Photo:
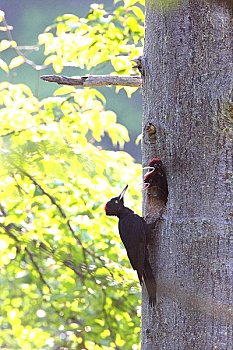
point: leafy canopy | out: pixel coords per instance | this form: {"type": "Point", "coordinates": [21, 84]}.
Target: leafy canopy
{"type": "Point", "coordinates": [65, 279]}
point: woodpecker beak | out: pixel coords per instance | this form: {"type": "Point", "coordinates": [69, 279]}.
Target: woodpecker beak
{"type": "Point", "coordinates": [123, 192]}
{"type": "Point", "coordinates": [146, 185]}
{"type": "Point", "coordinates": [151, 169]}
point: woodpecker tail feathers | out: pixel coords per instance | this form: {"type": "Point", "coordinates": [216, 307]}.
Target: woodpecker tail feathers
{"type": "Point", "coordinates": [150, 283]}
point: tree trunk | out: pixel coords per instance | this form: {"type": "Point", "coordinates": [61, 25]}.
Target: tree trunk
{"type": "Point", "coordinates": [187, 93]}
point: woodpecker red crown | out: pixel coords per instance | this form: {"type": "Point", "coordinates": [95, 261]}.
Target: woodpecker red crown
{"type": "Point", "coordinates": [155, 164]}
{"type": "Point", "coordinates": [154, 160]}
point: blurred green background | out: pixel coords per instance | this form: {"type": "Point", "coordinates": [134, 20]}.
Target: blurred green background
{"type": "Point", "coordinates": [29, 19]}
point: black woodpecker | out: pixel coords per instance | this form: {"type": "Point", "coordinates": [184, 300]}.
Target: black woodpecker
{"type": "Point", "coordinates": [135, 235]}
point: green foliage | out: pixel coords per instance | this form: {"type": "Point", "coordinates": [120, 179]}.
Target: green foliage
{"type": "Point", "coordinates": [62, 280]}
{"type": "Point", "coordinates": [101, 37]}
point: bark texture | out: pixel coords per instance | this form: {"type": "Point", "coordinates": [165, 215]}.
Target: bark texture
{"type": "Point", "coordinates": [187, 92]}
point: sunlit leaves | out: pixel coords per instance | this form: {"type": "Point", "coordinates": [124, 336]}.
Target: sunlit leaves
{"type": "Point", "coordinates": [111, 39]}
{"type": "Point", "coordinates": [65, 279]}
{"type": "Point", "coordinates": [2, 15]}
{"type": "Point", "coordinates": [6, 44]}
{"type": "Point", "coordinates": [16, 62]}
{"type": "Point", "coordinates": [3, 65]}
{"type": "Point", "coordinates": [61, 256]}
{"type": "Point", "coordinates": [102, 36]}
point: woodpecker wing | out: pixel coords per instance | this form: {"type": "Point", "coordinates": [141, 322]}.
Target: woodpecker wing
{"type": "Point", "coordinates": [133, 236]}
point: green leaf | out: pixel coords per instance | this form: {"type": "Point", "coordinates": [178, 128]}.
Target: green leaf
{"type": "Point", "coordinates": [64, 90]}
{"type": "Point", "coordinates": [16, 62]}
{"type": "Point", "coordinates": [2, 15]}
{"type": "Point", "coordinates": [138, 12]}
{"type": "Point", "coordinates": [3, 65]}
{"type": "Point", "coordinates": [4, 45]}
{"type": "Point", "coordinates": [138, 139]}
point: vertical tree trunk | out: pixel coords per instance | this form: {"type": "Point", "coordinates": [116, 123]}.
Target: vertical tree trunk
{"type": "Point", "coordinates": [187, 97]}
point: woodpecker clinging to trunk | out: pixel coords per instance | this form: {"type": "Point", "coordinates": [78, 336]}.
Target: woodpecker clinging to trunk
{"type": "Point", "coordinates": [156, 177]}
{"type": "Point", "coordinates": [135, 235]}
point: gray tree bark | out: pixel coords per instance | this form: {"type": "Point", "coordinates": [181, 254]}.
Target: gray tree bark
{"type": "Point", "coordinates": [187, 92]}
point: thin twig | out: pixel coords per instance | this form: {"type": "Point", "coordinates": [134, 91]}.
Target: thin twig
{"type": "Point", "coordinates": [70, 265]}
{"type": "Point", "coordinates": [17, 48]}
{"type": "Point", "coordinates": [31, 256]}
{"type": "Point", "coordinates": [95, 80]}
{"type": "Point", "coordinates": [67, 262]}
{"type": "Point", "coordinates": [53, 201]}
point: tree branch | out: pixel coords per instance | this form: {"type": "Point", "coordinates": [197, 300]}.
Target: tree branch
{"type": "Point", "coordinates": [95, 80]}
{"type": "Point", "coordinates": [54, 202]}
{"type": "Point", "coordinates": [42, 247]}
{"type": "Point", "coordinates": [31, 256]}
{"type": "Point", "coordinates": [61, 211]}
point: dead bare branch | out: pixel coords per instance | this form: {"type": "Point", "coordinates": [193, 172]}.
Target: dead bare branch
{"type": "Point", "coordinates": [95, 80]}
